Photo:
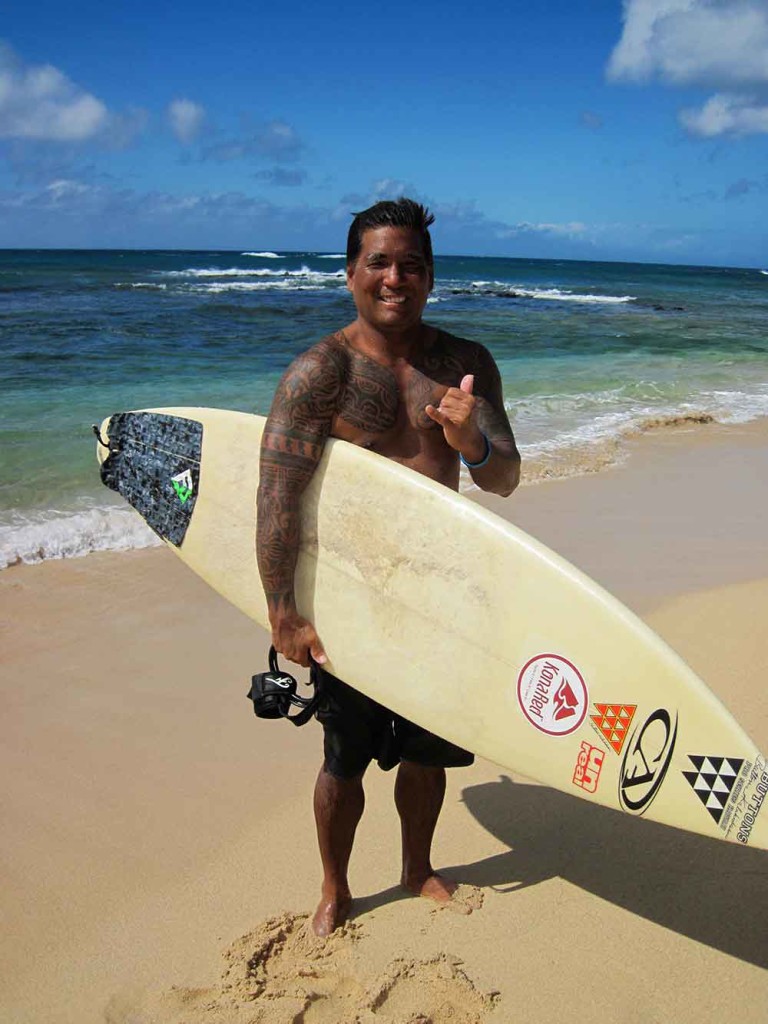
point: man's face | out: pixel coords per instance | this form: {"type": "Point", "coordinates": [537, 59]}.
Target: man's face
{"type": "Point", "coordinates": [391, 279]}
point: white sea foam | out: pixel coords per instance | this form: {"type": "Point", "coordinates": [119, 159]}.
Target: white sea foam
{"type": "Point", "coordinates": [304, 272]}
{"type": "Point", "coordinates": [29, 537]}
{"type": "Point", "coordinates": [556, 426]}
{"type": "Point", "coordinates": [264, 255]}
{"type": "Point", "coordinates": [149, 286]}
{"type": "Point", "coordinates": [332, 256]}
{"type": "Point", "coordinates": [237, 280]}
{"type": "Point", "coordinates": [547, 294]}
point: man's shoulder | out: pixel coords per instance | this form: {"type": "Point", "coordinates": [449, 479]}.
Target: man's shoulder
{"type": "Point", "coordinates": [463, 348]}
{"type": "Point", "coordinates": [331, 346]}
{"type": "Point", "coordinates": [330, 353]}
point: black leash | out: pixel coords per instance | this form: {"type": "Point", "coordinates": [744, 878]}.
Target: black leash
{"type": "Point", "coordinates": [274, 693]}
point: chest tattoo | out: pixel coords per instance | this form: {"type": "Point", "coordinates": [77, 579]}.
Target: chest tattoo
{"type": "Point", "coordinates": [369, 399]}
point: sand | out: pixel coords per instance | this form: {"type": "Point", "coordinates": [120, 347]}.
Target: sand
{"type": "Point", "coordinates": [158, 848]}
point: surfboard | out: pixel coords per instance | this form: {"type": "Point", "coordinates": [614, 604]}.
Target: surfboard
{"type": "Point", "coordinates": [455, 619]}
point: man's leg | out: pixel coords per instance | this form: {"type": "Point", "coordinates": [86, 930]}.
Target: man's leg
{"type": "Point", "coordinates": [339, 806]}
{"type": "Point", "coordinates": [419, 793]}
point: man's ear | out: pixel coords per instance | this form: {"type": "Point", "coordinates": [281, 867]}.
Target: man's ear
{"type": "Point", "coordinates": [350, 275]}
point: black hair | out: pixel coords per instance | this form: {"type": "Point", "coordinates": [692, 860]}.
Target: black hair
{"type": "Point", "coordinates": [391, 213]}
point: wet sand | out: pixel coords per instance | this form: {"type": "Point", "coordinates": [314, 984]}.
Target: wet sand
{"type": "Point", "coordinates": [156, 835]}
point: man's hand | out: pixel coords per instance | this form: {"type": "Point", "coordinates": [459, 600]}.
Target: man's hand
{"type": "Point", "coordinates": [296, 639]}
{"type": "Point", "coordinates": [456, 415]}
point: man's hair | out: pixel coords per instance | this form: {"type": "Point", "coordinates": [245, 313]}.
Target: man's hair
{"type": "Point", "coordinates": [391, 213]}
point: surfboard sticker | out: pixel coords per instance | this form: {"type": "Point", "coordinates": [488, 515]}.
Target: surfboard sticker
{"type": "Point", "coordinates": [732, 789]}
{"type": "Point", "coordinates": [589, 764]}
{"type": "Point", "coordinates": [613, 721]}
{"type": "Point", "coordinates": [552, 694]}
{"type": "Point", "coordinates": [752, 801]}
{"type": "Point", "coordinates": [646, 761]}
{"type": "Point", "coordinates": [155, 465]}
{"type": "Point", "coordinates": [713, 781]}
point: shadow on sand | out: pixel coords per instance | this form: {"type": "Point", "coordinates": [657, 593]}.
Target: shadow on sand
{"type": "Point", "coordinates": [710, 891]}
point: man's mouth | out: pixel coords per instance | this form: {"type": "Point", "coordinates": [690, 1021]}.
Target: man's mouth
{"type": "Point", "coordinates": [393, 300]}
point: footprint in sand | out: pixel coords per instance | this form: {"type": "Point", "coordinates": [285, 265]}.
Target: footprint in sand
{"type": "Point", "coordinates": [466, 899]}
{"type": "Point", "coordinates": [281, 973]}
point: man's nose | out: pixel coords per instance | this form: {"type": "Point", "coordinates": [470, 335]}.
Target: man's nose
{"type": "Point", "coordinates": [393, 275]}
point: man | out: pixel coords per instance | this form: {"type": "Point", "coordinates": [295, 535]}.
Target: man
{"type": "Point", "coordinates": [391, 383]}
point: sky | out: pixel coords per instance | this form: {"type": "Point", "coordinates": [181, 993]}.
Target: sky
{"type": "Point", "coordinates": [561, 129]}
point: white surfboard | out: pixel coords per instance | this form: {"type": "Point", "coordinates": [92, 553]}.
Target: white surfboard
{"type": "Point", "coordinates": [455, 619]}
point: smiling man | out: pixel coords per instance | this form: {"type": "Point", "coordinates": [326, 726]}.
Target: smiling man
{"type": "Point", "coordinates": [428, 400]}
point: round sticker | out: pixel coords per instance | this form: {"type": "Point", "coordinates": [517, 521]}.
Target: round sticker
{"type": "Point", "coordinates": [552, 694]}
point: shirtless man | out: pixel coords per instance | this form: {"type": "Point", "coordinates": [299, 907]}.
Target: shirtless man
{"type": "Point", "coordinates": [391, 383]}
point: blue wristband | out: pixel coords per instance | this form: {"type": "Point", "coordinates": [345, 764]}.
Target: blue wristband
{"type": "Point", "coordinates": [482, 462]}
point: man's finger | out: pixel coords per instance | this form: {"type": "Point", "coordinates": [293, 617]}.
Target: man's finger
{"type": "Point", "coordinates": [435, 414]}
{"type": "Point", "coordinates": [318, 654]}
{"type": "Point", "coordinates": [467, 384]}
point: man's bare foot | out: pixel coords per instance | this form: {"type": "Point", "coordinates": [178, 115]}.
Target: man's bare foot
{"type": "Point", "coordinates": [433, 887]}
{"type": "Point", "coordinates": [331, 913]}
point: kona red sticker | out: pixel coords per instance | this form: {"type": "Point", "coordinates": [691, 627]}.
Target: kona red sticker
{"type": "Point", "coordinates": [552, 694]}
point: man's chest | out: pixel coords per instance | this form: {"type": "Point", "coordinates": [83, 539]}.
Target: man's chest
{"type": "Point", "coordinates": [378, 400]}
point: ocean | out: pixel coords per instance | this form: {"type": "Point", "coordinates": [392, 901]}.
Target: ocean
{"type": "Point", "coordinates": [590, 355]}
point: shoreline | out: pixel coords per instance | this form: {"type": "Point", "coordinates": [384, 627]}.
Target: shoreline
{"type": "Point", "coordinates": [55, 534]}
{"type": "Point", "coordinates": [151, 820]}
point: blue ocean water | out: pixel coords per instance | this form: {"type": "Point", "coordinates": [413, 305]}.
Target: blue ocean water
{"type": "Point", "coordinates": [590, 353]}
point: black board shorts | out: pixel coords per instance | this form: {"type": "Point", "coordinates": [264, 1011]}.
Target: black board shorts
{"type": "Point", "coordinates": [358, 730]}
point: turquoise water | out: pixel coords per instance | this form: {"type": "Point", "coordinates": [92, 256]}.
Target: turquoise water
{"type": "Point", "coordinates": [590, 353]}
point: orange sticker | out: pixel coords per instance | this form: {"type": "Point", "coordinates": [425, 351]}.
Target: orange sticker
{"type": "Point", "coordinates": [613, 721]}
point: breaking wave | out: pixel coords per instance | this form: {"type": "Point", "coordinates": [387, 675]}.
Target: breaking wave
{"type": "Point", "coordinates": [29, 537]}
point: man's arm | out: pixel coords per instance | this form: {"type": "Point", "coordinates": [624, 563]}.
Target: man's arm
{"type": "Point", "coordinates": [294, 437]}
{"type": "Point", "coordinates": [476, 425]}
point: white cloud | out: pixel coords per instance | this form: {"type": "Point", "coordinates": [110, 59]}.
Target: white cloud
{"type": "Point", "coordinates": [693, 42]}
{"type": "Point", "coordinates": [275, 140]}
{"type": "Point", "coordinates": [186, 119]}
{"type": "Point", "coordinates": [572, 229]}
{"type": "Point", "coordinates": [38, 102]}
{"type": "Point", "coordinates": [707, 43]}
{"type": "Point", "coordinates": [725, 114]}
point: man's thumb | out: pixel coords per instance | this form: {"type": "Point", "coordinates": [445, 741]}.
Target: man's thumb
{"type": "Point", "coordinates": [467, 383]}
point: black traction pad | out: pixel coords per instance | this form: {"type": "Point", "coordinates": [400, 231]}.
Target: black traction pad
{"type": "Point", "coordinates": [154, 462]}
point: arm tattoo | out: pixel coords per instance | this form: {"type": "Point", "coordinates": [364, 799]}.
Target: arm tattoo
{"type": "Point", "coordinates": [294, 438]}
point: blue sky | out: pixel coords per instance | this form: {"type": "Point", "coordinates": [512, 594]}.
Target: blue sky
{"type": "Point", "coordinates": [585, 129]}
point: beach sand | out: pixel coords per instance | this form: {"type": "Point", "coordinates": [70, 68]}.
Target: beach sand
{"type": "Point", "coordinates": [158, 846]}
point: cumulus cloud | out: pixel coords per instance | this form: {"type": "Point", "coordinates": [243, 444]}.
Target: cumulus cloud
{"type": "Point", "coordinates": [39, 102]}
{"type": "Point", "coordinates": [382, 188]}
{"type": "Point", "coordinates": [70, 211]}
{"type": "Point", "coordinates": [569, 229]}
{"type": "Point", "coordinates": [727, 114]}
{"type": "Point", "coordinates": [186, 119]}
{"type": "Point", "coordinates": [274, 140]}
{"type": "Point", "coordinates": [720, 44]}
{"type": "Point", "coordinates": [693, 41]}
